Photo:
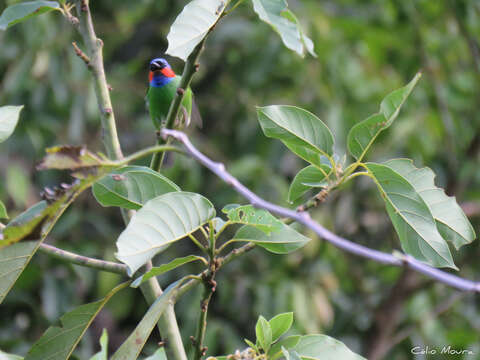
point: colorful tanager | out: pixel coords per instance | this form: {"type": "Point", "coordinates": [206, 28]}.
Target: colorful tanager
{"type": "Point", "coordinates": [161, 92]}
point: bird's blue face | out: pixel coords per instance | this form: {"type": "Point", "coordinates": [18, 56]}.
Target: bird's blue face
{"type": "Point", "coordinates": [160, 72]}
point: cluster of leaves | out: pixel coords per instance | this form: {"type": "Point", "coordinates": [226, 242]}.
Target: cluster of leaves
{"type": "Point", "coordinates": [272, 344]}
{"type": "Point", "coordinates": [424, 217]}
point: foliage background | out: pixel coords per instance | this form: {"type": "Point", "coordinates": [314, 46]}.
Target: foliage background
{"type": "Point", "coordinates": [365, 50]}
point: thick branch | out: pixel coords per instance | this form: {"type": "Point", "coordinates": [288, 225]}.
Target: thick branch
{"type": "Point", "coordinates": [83, 260]}
{"type": "Point", "coordinates": [94, 47]}
{"type": "Point", "coordinates": [304, 219]}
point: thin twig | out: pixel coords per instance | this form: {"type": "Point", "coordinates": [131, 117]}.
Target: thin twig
{"type": "Point", "coordinates": [73, 258]}
{"type": "Point", "coordinates": [305, 219]}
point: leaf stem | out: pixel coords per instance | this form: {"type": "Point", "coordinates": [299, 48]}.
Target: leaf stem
{"type": "Point", "coordinates": [73, 258]}
{"type": "Point", "coordinates": [196, 242]}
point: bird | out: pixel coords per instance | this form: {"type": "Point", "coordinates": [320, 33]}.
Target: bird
{"type": "Point", "coordinates": [163, 85]}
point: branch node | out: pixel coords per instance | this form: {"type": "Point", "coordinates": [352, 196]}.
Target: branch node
{"type": "Point", "coordinates": [197, 66]}
{"type": "Point", "coordinates": [107, 110]}
{"type": "Point", "coordinates": [110, 87]}
{"type": "Point", "coordinates": [180, 91]}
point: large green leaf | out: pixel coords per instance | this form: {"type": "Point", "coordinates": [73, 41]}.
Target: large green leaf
{"type": "Point", "coordinates": [58, 342]}
{"type": "Point", "coordinates": [323, 347]}
{"type": "Point", "coordinates": [411, 217]}
{"type": "Point", "coordinates": [307, 178]}
{"type": "Point", "coordinates": [8, 119]}
{"type": "Point", "coordinates": [284, 22]}
{"type": "Point", "coordinates": [363, 134]}
{"type": "Point", "coordinates": [131, 186]}
{"type": "Point", "coordinates": [192, 25]}
{"type": "Point", "coordinates": [300, 130]}
{"type": "Point", "coordinates": [132, 347]}
{"type": "Point", "coordinates": [13, 260]}
{"type": "Point", "coordinates": [280, 241]}
{"type": "Point", "coordinates": [158, 223]}
{"type": "Point", "coordinates": [259, 218]}
{"type": "Point", "coordinates": [452, 223]}
{"type": "Point", "coordinates": [19, 12]}
{"type": "Point", "coordinates": [159, 270]}
{"type": "Point", "coordinates": [3, 211]}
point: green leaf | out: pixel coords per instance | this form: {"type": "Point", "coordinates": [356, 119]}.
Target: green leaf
{"type": "Point", "coordinates": [103, 353]}
{"type": "Point", "coordinates": [192, 25]}
{"type": "Point", "coordinates": [3, 211]}
{"type": "Point", "coordinates": [323, 347]}
{"type": "Point", "coordinates": [160, 222]}
{"type": "Point", "coordinates": [263, 333]}
{"type": "Point", "coordinates": [5, 356]}
{"type": "Point", "coordinates": [132, 347]}
{"type": "Point", "coordinates": [8, 119]}
{"type": "Point", "coordinates": [13, 260]}
{"type": "Point", "coordinates": [159, 270]}
{"type": "Point", "coordinates": [259, 218]}
{"type": "Point", "coordinates": [158, 355]}
{"type": "Point", "coordinates": [284, 22]}
{"type": "Point", "coordinates": [363, 134]}
{"type": "Point", "coordinates": [451, 221]}
{"type": "Point", "coordinates": [411, 218]}
{"type": "Point", "coordinates": [281, 241]}
{"type": "Point", "coordinates": [307, 178]}
{"type": "Point", "coordinates": [27, 225]}
{"type": "Point", "coordinates": [280, 324]}
{"type": "Point", "coordinates": [58, 342]}
{"type": "Point", "coordinates": [19, 12]}
{"type": "Point", "coordinates": [131, 187]}
{"type": "Point", "coordinates": [301, 131]}
{"type": "Point", "coordinates": [287, 343]}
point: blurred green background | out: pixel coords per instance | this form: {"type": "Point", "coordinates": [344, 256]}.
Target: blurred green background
{"type": "Point", "coordinates": [365, 50]}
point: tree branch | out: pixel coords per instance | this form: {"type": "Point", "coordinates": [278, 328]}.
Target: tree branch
{"type": "Point", "coordinates": [73, 258]}
{"type": "Point", "coordinates": [304, 219]}
{"type": "Point", "coordinates": [94, 47]}
{"type": "Point", "coordinates": [151, 290]}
